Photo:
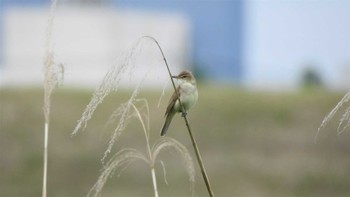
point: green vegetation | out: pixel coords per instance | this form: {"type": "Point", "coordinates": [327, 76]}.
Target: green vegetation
{"type": "Point", "coordinates": [252, 144]}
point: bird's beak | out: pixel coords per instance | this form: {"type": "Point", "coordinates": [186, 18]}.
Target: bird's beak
{"type": "Point", "coordinates": [175, 77]}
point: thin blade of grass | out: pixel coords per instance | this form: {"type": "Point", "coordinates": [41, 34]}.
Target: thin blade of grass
{"type": "Point", "coordinates": [170, 143]}
{"type": "Point", "coordinates": [344, 121]}
{"type": "Point", "coordinates": [164, 171]}
{"type": "Point", "coordinates": [340, 104]}
{"type": "Point", "coordinates": [122, 123]}
{"type": "Point", "coordinates": [331, 114]}
{"type": "Point", "coordinates": [122, 158]}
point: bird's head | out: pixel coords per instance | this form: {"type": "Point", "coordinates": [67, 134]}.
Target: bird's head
{"type": "Point", "coordinates": [185, 76]}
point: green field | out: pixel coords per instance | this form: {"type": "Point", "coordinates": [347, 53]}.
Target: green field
{"type": "Point", "coordinates": [252, 144]}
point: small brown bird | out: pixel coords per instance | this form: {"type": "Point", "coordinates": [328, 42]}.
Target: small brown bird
{"type": "Point", "coordinates": [187, 90]}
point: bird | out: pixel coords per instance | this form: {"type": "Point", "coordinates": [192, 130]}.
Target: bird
{"type": "Point", "coordinates": [187, 90]}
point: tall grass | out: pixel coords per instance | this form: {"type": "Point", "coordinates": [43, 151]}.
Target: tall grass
{"type": "Point", "coordinates": [111, 82]}
{"type": "Point", "coordinates": [53, 76]}
{"type": "Point", "coordinates": [184, 115]}
{"type": "Point", "coordinates": [125, 156]}
{"type": "Point", "coordinates": [344, 121]}
{"type": "Point", "coordinates": [124, 113]}
{"type": "Point", "coordinates": [54, 72]}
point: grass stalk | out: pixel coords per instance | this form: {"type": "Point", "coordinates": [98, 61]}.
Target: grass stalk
{"type": "Point", "coordinates": [344, 122]}
{"type": "Point", "coordinates": [151, 159]}
{"type": "Point", "coordinates": [194, 143]}
{"type": "Point", "coordinates": [124, 112]}
{"type": "Point", "coordinates": [44, 192]}
{"type": "Point", "coordinates": [124, 157]}
{"type": "Point", "coordinates": [53, 75]}
{"type": "Point", "coordinates": [154, 181]}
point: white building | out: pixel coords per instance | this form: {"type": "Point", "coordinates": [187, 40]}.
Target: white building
{"type": "Point", "coordinates": [280, 39]}
{"type": "Point", "coordinates": [88, 41]}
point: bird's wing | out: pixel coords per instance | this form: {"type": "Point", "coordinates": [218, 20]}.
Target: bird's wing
{"type": "Point", "coordinates": [172, 101]}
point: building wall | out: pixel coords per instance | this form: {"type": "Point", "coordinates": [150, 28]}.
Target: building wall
{"type": "Point", "coordinates": [264, 44]}
{"type": "Point", "coordinates": [214, 42]}
{"type": "Point", "coordinates": [1, 36]}
{"type": "Point", "coordinates": [216, 33]}
{"type": "Point", "coordinates": [88, 41]}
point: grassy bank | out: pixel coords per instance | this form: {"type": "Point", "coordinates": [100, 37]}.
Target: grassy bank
{"type": "Point", "coordinates": [253, 144]}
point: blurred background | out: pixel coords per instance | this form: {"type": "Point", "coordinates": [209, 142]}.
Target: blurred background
{"type": "Point", "coordinates": [268, 72]}
{"type": "Point", "coordinates": [267, 45]}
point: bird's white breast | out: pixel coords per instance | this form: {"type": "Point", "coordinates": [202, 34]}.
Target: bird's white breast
{"type": "Point", "coordinates": [188, 94]}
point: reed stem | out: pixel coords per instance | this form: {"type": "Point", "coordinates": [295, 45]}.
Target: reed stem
{"type": "Point", "coordinates": [45, 160]}
{"type": "Point", "coordinates": [50, 82]}
{"type": "Point", "coordinates": [154, 182]}
{"type": "Point", "coordinates": [194, 143]}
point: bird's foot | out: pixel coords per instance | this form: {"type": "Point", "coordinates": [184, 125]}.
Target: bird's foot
{"type": "Point", "coordinates": [184, 114]}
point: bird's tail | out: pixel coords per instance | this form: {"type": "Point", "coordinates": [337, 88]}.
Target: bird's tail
{"type": "Point", "coordinates": [168, 119]}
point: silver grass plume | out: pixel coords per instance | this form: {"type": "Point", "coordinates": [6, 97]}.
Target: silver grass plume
{"type": "Point", "coordinates": [344, 122]}
{"type": "Point", "coordinates": [53, 76]}
{"type": "Point", "coordinates": [124, 157]}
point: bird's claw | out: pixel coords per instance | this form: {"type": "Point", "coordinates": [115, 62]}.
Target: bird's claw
{"type": "Point", "coordinates": [184, 114]}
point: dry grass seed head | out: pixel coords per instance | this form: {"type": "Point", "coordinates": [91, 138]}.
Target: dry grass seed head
{"type": "Point", "coordinates": [121, 159]}
{"type": "Point", "coordinates": [345, 116]}
{"type": "Point", "coordinates": [165, 143]}
{"type": "Point", "coordinates": [344, 121]}
{"type": "Point", "coordinates": [124, 116]}
{"type": "Point", "coordinates": [110, 82]}
{"type": "Point", "coordinates": [53, 77]}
